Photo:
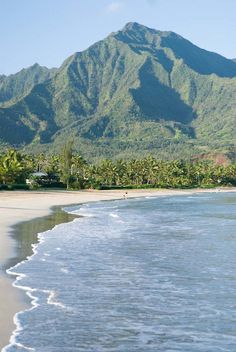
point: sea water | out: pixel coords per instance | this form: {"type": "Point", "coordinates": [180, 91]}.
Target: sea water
{"type": "Point", "coordinates": [153, 274]}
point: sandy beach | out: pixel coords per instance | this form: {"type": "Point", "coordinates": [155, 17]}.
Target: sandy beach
{"type": "Point", "coordinates": [22, 206]}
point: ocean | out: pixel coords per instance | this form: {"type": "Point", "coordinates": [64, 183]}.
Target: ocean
{"type": "Point", "coordinates": [148, 274]}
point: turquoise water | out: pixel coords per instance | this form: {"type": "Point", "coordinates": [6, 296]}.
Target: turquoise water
{"type": "Point", "coordinates": [154, 274]}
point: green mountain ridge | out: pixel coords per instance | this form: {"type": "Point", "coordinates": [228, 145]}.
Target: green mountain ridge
{"type": "Point", "coordinates": [15, 86]}
{"type": "Point", "coordinates": [137, 92]}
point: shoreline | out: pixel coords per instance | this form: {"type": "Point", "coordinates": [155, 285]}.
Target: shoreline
{"type": "Point", "coordinates": [25, 214]}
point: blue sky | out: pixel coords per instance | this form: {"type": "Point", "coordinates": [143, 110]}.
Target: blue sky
{"type": "Point", "coordinates": [48, 31]}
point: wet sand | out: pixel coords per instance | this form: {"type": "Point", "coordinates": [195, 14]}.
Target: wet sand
{"type": "Point", "coordinates": [23, 215]}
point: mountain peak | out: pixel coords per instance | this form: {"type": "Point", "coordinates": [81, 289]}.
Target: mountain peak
{"type": "Point", "coordinates": [35, 65]}
{"type": "Point", "coordinates": [133, 26]}
{"type": "Point", "coordinates": [138, 91]}
{"type": "Point", "coordinates": [137, 27]}
{"type": "Point", "coordinates": [134, 32]}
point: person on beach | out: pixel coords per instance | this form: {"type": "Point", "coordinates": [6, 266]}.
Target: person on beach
{"type": "Point", "coordinates": [125, 195]}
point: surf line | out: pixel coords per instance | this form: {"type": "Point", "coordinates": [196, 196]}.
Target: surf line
{"type": "Point", "coordinates": [30, 293]}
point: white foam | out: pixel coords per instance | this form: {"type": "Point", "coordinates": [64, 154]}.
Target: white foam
{"type": "Point", "coordinates": [29, 293]}
{"type": "Point", "coordinates": [51, 300]}
{"type": "Point", "coordinates": [18, 345]}
{"type": "Point", "coordinates": [114, 215]}
{"type": "Point", "coordinates": [34, 302]}
{"type": "Point", "coordinates": [83, 211]}
{"type": "Point", "coordinates": [85, 214]}
{"type": "Point", "coordinates": [19, 328]}
{"type": "Point", "coordinates": [65, 271]}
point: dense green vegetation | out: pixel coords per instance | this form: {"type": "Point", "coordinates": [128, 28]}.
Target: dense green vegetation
{"type": "Point", "coordinates": [17, 85]}
{"type": "Point", "coordinates": [72, 171]}
{"type": "Point", "coordinates": [136, 93]}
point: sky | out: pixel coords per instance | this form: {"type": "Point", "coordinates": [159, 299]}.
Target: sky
{"type": "Point", "coordinates": [48, 31]}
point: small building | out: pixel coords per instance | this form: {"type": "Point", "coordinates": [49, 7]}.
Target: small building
{"type": "Point", "coordinates": [42, 179]}
{"type": "Point", "coordinates": [37, 177]}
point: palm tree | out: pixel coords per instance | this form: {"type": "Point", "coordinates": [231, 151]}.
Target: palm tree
{"type": "Point", "coordinates": [66, 163]}
{"type": "Point", "coordinates": [11, 166]}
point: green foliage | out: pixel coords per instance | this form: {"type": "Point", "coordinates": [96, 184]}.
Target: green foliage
{"type": "Point", "coordinates": [12, 168]}
{"type": "Point", "coordinates": [136, 93]}
{"type": "Point", "coordinates": [76, 173]}
{"type": "Point", "coordinates": [17, 85]}
{"type": "Point", "coordinates": [66, 163]}
{"type": "Point", "coordinates": [17, 186]}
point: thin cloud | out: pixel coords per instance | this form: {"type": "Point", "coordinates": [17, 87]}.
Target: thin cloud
{"type": "Point", "coordinates": [114, 7]}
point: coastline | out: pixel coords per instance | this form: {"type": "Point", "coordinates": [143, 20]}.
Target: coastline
{"type": "Point", "coordinates": [24, 214]}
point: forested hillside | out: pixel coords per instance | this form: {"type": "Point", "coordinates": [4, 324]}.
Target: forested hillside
{"type": "Point", "coordinates": [138, 92]}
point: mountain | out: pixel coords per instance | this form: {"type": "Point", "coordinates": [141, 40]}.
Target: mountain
{"type": "Point", "coordinates": [15, 86]}
{"type": "Point", "coordinates": [139, 91]}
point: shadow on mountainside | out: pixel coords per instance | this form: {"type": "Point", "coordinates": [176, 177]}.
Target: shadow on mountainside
{"type": "Point", "coordinates": [200, 60]}
{"type": "Point", "coordinates": [158, 101]}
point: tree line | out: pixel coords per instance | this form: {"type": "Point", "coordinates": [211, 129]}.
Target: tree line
{"type": "Point", "coordinates": [71, 171]}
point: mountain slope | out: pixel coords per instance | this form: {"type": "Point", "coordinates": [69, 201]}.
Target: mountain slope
{"type": "Point", "coordinates": [17, 85]}
{"type": "Point", "coordinates": [139, 91]}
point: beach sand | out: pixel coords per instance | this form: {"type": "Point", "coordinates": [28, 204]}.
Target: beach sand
{"type": "Point", "coordinates": [21, 207]}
